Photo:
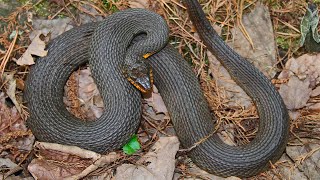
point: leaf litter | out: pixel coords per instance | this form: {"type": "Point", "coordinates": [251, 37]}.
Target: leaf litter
{"type": "Point", "coordinates": [262, 55]}
{"type": "Point", "coordinates": [158, 163]}
{"type": "Point", "coordinates": [16, 140]}
{"type": "Point", "coordinates": [304, 80]}
{"type": "Point", "coordinates": [233, 123]}
{"type": "Point", "coordinates": [37, 48]}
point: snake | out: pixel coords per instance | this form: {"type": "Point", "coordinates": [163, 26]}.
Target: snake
{"type": "Point", "coordinates": [118, 44]}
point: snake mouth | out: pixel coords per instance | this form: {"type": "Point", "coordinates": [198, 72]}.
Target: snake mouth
{"type": "Point", "coordinates": [143, 83]}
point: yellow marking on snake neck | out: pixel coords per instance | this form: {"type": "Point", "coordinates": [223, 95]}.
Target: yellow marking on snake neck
{"type": "Point", "coordinates": [147, 55]}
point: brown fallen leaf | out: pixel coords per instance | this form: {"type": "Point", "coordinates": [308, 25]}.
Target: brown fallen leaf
{"type": "Point", "coordinates": [85, 95]}
{"type": "Point", "coordinates": [15, 139]}
{"type": "Point", "coordinates": [37, 48]}
{"type": "Point", "coordinates": [316, 92]}
{"type": "Point", "coordinates": [10, 87]}
{"type": "Point", "coordinates": [305, 67]}
{"type": "Point", "coordinates": [306, 158]}
{"type": "Point", "coordinates": [233, 92]}
{"type": "Point", "coordinates": [42, 169]}
{"type": "Point", "coordinates": [287, 169]}
{"type": "Point", "coordinates": [89, 14]}
{"type": "Point", "coordinates": [296, 93]}
{"type": "Point", "coordinates": [306, 70]}
{"type": "Point", "coordinates": [139, 4]}
{"type": "Point", "coordinates": [54, 27]}
{"type": "Point", "coordinates": [160, 162]}
{"type": "Point", "coordinates": [89, 95]}
{"type": "Point", "coordinates": [156, 102]}
{"type": "Point", "coordinates": [56, 161]}
{"type": "Point", "coordinates": [259, 27]}
{"type": "Point", "coordinates": [197, 172]}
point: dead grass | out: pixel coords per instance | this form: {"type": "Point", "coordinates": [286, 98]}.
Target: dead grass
{"type": "Point", "coordinates": [226, 14]}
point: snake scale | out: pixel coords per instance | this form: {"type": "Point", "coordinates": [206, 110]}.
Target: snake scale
{"type": "Point", "coordinates": [106, 45]}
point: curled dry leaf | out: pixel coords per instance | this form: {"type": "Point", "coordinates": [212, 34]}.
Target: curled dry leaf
{"type": "Point", "coordinates": [82, 95]}
{"type": "Point", "coordinates": [37, 48]}
{"type": "Point", "coordinates": [155, 108]}
{"type": "Point", "coordinates": [10, 87]}
{"type": "Point", "coordinates": [58, 161]}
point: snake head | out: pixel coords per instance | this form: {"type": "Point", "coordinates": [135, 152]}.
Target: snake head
{"type": "Point", "coordinates": [139, 74]}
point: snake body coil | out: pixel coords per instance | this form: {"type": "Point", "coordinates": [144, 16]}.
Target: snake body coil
{"type": "Point", "coordinates": [110, 44]}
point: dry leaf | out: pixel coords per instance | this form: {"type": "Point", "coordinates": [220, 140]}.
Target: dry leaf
{"type": "Point", "coordinates": [316, 92]}
{"type": "Point", "coordinates": [89, 95]}
{"type": "Point", "coordinates": [287, 170]}
{"type": "Point", "coordinates": [55, 27]}
{"type": "Point", "coordinates": [310, 155]}
{"type": "Point", "coordinates": [139, 4]}
{"type": "Point", "coordinates": [158, 104]}
{"type": "Point", "coordinates": [259, 27]}
{"type": "Point", "coordinates": [306, 70]}
{"type": "Point", "coordinates": [305, 67]}
{"type": "Point", "coordinates": [160, 162]}
{"type": "Point", "coordinates": [156, 109]}
{"type": "Point", "coordinates": [196, 171]}
{"type": "Point", "coordinates": [5, 162]}
{"type": "Point", "coordinates": [13, 131]}
{"type": "Point", "coordinates": [42, 169]}
{"type": "Point", "coordinates": [37, 48]}
{"type": "Point", "coordinates": [233, 92]}
{"type": "Point", "coordinates": [59, 161]}
{"type": "Point", "coordinates": [227, 135]}
{"type": "Point", "coordinates": [296, 93]}
{"type": "Point", "coordinates": [89, 14]}
{"type": "Point", "coordinates": [10, 87]}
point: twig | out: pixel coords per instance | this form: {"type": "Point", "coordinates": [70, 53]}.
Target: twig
{"type": "Point", "coordinates": [240, 24]}
{"type": "Point", "coordinates": [199, 142]}
{"type": "Point", "coordinates": [8, 54]}
{"type": "Point", "coordinates": [103, 161]}
{"type": "Point", "coordinates": [69, 149]}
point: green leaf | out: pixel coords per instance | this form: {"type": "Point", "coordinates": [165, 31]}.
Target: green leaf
{"type": "Point", "coordinates": [132, 146]}
{"type": "Point", "coordinates": [13, 34]}
{"type": "Point", "coordinates": [309, 24]}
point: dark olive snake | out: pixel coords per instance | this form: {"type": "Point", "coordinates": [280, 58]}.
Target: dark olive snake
{"type": "Point", "coordinates": [107, 45]}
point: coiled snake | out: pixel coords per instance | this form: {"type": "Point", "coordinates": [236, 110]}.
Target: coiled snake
{"type": "Point", "coordinates": [107, 45]}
